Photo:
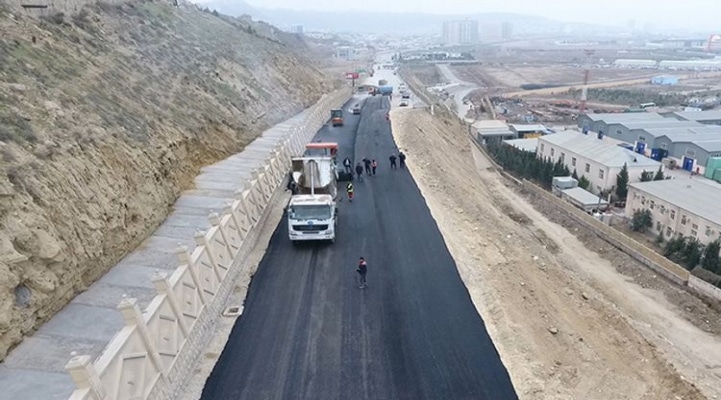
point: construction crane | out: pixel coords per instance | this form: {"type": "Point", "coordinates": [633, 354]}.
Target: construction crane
{"type": "Point", "coordinates": [584, 91]}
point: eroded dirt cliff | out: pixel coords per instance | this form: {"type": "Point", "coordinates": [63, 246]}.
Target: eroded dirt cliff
{"type": "Point", "coordinates": [105, 116]}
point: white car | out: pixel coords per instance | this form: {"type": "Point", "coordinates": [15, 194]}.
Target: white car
{"type": "Point", "coordinates": [403, 103]}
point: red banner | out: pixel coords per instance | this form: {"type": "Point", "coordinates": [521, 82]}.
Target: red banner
{"type": "Point", "coordinates": [351, 75]}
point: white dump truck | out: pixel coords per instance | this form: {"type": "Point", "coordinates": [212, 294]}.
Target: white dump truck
{"type": "Point", "coordinates": [312, 211]}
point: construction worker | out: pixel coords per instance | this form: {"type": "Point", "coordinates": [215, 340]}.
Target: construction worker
{"type": "Point", "coordinates": [349, 190]}
{"type": "Point", "coordinates": [402, 159]}
{"type": "Point", "coordinates": [359, 171]}
{"type": "Point", "coordinates": [362, 271]}
{"type": "Point", "coordinates": [393, 161]}
{"type": "Point", "coordinates": [374, 165]}
{"type": "Point", "coordinates": [348, 165]}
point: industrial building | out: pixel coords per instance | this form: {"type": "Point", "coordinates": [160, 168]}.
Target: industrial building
{"type": "Point", "coordinates": [600, 122]}
{"type": "Point", "coordinates": [704, 117]}
{"type": "Point", "coordinates": [664, 80]}
{"type": "Point", "coordinates": [686, 207]}
{"type": "Point", "coordinates": [596, 159]}
{"type": "Point", "coordinates": [628, 63]}
{"type": "Point", "coordinates": [492, 131]}
{"type": "Point", "coordinates": [529, 131]}
{"type": "Point", "coordinates": [684, 140]}
{"type": "Point", "coordinates": [698, 44]}
{"type": "Point", "coordinates": [460, 32]}
{"type": "Point", "coordinates": [700, 65]}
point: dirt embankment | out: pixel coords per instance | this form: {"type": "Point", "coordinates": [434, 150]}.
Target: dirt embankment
{"type": "Point", "coordinates": [105, 116]}
{"type": "Point", "coordinates": [566, 323]}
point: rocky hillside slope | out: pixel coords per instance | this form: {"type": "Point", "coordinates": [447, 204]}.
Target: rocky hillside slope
{"type": "Point", "coordinates": [105, 116]}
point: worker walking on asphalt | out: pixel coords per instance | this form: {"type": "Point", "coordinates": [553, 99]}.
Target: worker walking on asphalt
{"type": "Point", "coordinates": [367, 163]}
{"type": "Point", "coordinates": [349, 190]}
{"type": "Point", "coordinates": [393, 161]}
{"type": "Point", "coordinates": [348, 165]}
{"type": "Point", "coordinates": [402, 158]}
{"type": "Point", "coordinates": [374, 165]}
{"type": "Point", "coordinates": [359, 172]}
{"type": "Point", "coordinates": [362, 270]}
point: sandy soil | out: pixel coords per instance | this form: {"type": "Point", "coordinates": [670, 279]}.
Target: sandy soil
{"type": "Point", "coordinates": [567, 322]}
{"type": "Point", "coordinates": [515, 76]}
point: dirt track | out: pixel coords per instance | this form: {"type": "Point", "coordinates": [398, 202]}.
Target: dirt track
{"type": "Point", "coordinates": [615, 83]}
{"type": "Point", "coordinates": [566, 323]}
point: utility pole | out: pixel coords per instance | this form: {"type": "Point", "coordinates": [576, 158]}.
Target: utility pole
{"type": "Point", "coordinates": [587, 72]}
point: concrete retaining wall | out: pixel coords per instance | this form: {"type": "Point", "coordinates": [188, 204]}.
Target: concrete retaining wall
{"type": "Point", "coordinates": [703, 287]}
{"type": "Point", "coordinates": [158, 347]}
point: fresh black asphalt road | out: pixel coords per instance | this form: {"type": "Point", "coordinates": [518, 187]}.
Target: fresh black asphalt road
{"type": "Point", "coordinates": [309, 332]}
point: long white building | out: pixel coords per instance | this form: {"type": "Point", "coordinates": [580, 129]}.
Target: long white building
{"type": "Point", "coordinates": [596, 159]}
{"type": "Point", "coordinates": [686, 207]}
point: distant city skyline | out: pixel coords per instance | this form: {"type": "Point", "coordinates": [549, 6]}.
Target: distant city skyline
{"type": "Point", "coordinates": [690, 14]}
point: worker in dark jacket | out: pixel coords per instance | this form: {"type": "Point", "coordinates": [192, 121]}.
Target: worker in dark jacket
{"type": "Point", "coordinates": [362, 270]}
{"type": "Point", "coordinates": [393, 161]}
{"type": "Point", "coordinates": [402, 159]}
{"type": "Point", "coordinates": [367, 164]}
{"type": "Point", "coordinates": [359, 172]}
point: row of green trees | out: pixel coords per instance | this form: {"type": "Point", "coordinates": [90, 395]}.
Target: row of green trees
{"type": "Point", "coordinates": [690, 253]}
{"type": "Point", "coordinates": [686, 251]}
{"type": "Point", "coordinates": [526, 165]}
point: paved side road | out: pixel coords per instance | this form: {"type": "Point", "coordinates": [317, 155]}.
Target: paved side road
{"type": "Point", "coordinates": [308, 331]}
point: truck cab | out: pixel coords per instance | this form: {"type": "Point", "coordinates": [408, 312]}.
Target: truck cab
{"type": "Point", "coordinates": [312, 217]}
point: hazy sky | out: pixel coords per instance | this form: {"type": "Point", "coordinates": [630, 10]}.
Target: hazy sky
{"type": "Point", "coordinates": [704, 14]}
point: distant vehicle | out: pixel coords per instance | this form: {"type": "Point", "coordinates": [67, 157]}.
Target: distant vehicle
{"type": "Point", "coordinates": [336, 117]}
{"type": "Point", "coordinates": [405, 95]}
{"type": "Point", "coordinates": [644, 106]}
{"type": "Point", "coordinates": [382, 82]}
{"type": "Point", "coordinates": [356, 109]}
{"type": "Point", "coordinates": [403, 103]}
{"type": "Point", "coordinates": [385, 90]}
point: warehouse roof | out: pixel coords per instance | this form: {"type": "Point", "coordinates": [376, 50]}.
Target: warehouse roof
{"type": "Point", "coordinates": [614, 118]}
{"type": "Point", "coordinates": [699, 115]}
{"type": "Point", "coordinates": [697, 196]}
{"type": "Point", "coordinates": [659, 123]}
{"type": "Point", "coordinates": [710, 146]}
{"type": "Point", "coordinates": [601, 151]}
{"type": "Point", "coordinates": [680, 137]}
{"type": "Point", "coordinates": [684, 133]}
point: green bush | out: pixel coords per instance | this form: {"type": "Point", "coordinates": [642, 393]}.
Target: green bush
{"type": "Point", "coordinates": [641, 221]}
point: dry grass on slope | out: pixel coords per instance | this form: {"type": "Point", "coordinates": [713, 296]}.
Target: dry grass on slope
{"type": "Point", "coordinates": [105, 117]}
